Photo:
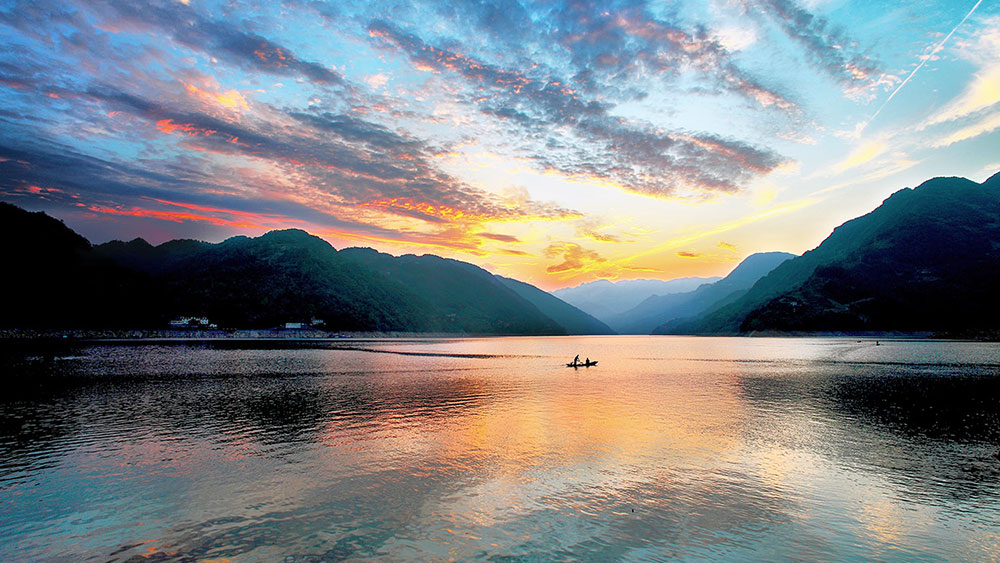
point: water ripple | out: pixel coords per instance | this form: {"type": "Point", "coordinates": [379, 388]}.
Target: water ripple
{"type": "Point", "coordinates": [674, 448]}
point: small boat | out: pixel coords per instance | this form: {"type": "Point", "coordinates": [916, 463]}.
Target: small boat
{"type": "Point", "coordinates": [582, 364]}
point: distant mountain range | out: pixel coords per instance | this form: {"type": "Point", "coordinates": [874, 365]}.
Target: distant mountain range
{"type": "Point", "coordinates": [60, 281]}
{"type": "Point", "coordinates": [606, 299]}
{"type": "Point", "coordinates": [659, 309]}
{"type": "Point", "coordinates": [927, 259]}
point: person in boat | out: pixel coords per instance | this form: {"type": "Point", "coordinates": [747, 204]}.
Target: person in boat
{"type": "Point", "coordinates": [588, 361]}
{"type": "Point", "coordinates": [576, 360]}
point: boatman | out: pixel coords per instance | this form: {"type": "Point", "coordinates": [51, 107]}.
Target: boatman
{"type": "Point", "coordinates": [576, 360]}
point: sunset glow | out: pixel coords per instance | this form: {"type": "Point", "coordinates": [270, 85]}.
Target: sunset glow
{"type": "Point", "coordinates": [554, 143]}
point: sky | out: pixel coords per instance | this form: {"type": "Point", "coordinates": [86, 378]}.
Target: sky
{"type": "Point", "coordinates": [557, 142]}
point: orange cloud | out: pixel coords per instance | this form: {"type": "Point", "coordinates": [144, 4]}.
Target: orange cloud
{"type": "Point", "coordinates": [248, 214]}
{"type": "Point", "coordinates": [174, 217]}
{"type": "Point", "coordinates": [499, 237]}
{"type": "Point", "coordinates": [211, 215]}
{"type": "Point", "coordinates": [512, 252]}
{"type": "Point", "coordinates": [424, 208]}
{"type": "Point", "coordinates": [39, 190]}
{"type": "Point", "coordinates": [686, 254]}
{"type": "Point", "coordinates": [574, 256]}
{"type": "Point", "coordinates": [231, 99]}
{"type": "Point", "coordinates": [272, 55]}
{"type": "Point", "coordinates": [168, 126]}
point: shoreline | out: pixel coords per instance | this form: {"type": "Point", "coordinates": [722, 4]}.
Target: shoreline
{"type": "Point", "coordinates": [154, 335]}
{"type": "Point", "coordinates": [217, 334]}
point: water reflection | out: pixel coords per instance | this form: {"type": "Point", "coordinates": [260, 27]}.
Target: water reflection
{"type": "Point", "coordinates": [489, 448]}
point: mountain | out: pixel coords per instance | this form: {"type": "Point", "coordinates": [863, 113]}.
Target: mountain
{"type": "Point", "coordinates": [263, 282]}
{"type": "Point", "coordinates": [573, 320]}
{"type": "Point", "coordinates": [465, 297]}
{"type": "Point", "coordinates": [658, 309]}
{"type": "Point", "coordinates": [291, 276]}
{"type": "Point", "coordinates": [54, 279]}
{"type": "Point", "coordinates": [927, 259]}
{"type": "Point", "coordinates": [281, 276]}
{"type": "Point", "coordinates": [605, 299]}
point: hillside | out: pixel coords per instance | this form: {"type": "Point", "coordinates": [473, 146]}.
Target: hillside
{"type": "Point", "coordinates": [573, 320]}
{"type": "Point", "coordinates": [927, 259]}
{"type": "Point", "coordinates": [466, 298]}
{"type": "Point", "coordinates": [262, 282]}
{"type": "Point", "coordinates": [658, 309]}
{"type": "Point", "coordinates": [54, 279]}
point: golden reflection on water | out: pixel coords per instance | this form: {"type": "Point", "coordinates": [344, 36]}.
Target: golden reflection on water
{"type": "Point", "coordinates": [467, 449]}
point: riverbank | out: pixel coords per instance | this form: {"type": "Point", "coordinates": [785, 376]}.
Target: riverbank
{"type": "Point", "coordinates": [230, 334]}
{"type": "Point", "coordinates": [991, 335]}
{"type": "Point", "coordinates": [313, 334]}
{"type": "Point", "coordinates": [215, 334]}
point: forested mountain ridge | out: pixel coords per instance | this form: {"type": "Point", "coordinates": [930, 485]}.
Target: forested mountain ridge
{"type": "Point", "coordinates": [62, 281]}
{"type": "Point", "coordinates": [927, 259]}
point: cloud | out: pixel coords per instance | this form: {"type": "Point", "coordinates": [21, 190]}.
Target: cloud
{"type": "Point", "coordinates": [333, 171]}
{"type": "Point", "coordinates": [512, 252]}
{"type": "Point", "coordinates": [188, 27]}
{"type": "Point", "coordinates": [826, 47]}
{"type": "Point", "coordinates": [931, 55]}
{"type": "Point", "coordinates": [574, 257]}
{"type": "Point", "coordinates": [184, 24]}
{"type": "Point", "coordinates": [608, 48]}
{"type": "Point", "coordinates": [376, 80]}
{"type": "Point", "coordinates": [84, 186]}
{"type": "Point", "coordinates": [123, 106]}
{"type": "Point", "coordinates": [591, 228]}
{"type": "Point", "coordinates": [499, 237]}
{"type": "Point", "coordinates": [885, 169]}
{"type": "Point", "coordinates": [686, 254]}
{"type": "Point", "coordinates": [580, 135]}
{"type": "Point", "coordinates": [211, 94]}
{"type": "Point", "coordinates": [236, 219]}
{"type": "Point", "coordinates": [356, 162]}
{"type": "Point", "coordinates": [861, 155]}
{"type": "Point", "coordinates": [713, 230]}
{"type": "Point", "coordinates": [197, 137]}
{"type": "Point", "coordinates": [565, 125]}
{"type": "Point", "coordinates": [986, 125]}
{"type": "Point", "coordinates": [601, 237]}
{"type": "Point", "coordinates": [727, 246]}
{"type": "Point", "coordinates": [983, 91]}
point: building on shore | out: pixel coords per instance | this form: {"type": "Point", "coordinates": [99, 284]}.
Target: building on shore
{"type": "Point", "coordinates": [192, 322]}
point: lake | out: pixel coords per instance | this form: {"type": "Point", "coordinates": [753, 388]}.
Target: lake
{"type": "Point", "coordinates": [672, 448]}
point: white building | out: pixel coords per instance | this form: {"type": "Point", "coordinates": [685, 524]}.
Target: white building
{"type": "Point", "coordinates": [192, 322]}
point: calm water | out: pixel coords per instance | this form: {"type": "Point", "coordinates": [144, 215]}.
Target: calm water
{"type": "Point", "coordinates": [671, 449]}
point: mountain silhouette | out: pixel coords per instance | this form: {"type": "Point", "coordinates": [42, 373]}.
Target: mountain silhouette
{"type": "Point", "coordinates": [55, 279]}
{"type": "Point", "coordinates": [927, 259]}
{"type": "Point", "coordinates": [573, 320]}
{"type": "Point", "coordinates": [262, 282]}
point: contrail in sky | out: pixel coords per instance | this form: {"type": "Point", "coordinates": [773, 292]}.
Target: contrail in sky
{"type": "Point", "coordinates": [919, 66]}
